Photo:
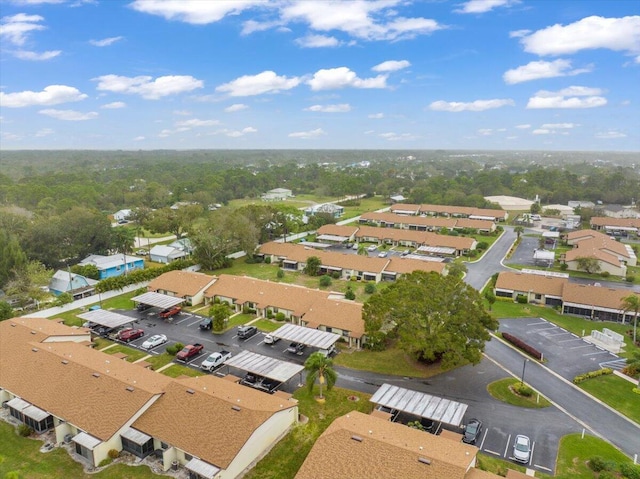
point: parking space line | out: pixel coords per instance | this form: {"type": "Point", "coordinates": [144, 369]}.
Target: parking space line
{"type": "Point", "coordinates": [548, 329]}
{"type": "Point", "coordinates": [567, 340]}
{"type": "Point", "coordinates": [491, 452]}
{"type": "Point", "coordinates": [533, 445]}
{"type": "Point", "coordinates": [483, 438]}
{"type": "Point", "coordinates": [195, 322]}
{"type": "Point", "coordinates": [506, 449]}
{"type": "Point", "coordinates": [583, 346]}
{"type": "Point", "coordinates": [558, 334]}
{"type": "Point", "coordinates": [592, 354]}
{"type": "Point", "coordinates": [574, 335]}
{"type": "Point", "coordinates": [542, 467]}
{"type": "Point", "coordinates": [535, 324]}
{"type": "Point", "coordinates": [182, 320]}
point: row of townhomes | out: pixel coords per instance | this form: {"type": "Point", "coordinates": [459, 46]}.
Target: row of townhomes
{"type": "Point", "coordinates": [590, 301]}
{"type": "Point", "coordinates": [616, 225]}
{"type": "Point", "coordinates": [426, 223]}
{"type": "Point", "coordinates": [612, 256]}
{"type": "Point", "coordinates": [450, 211]}
{"type": "Point", "coordinates": [323, 310]}
{"type": "Point", "coordinates": [293, 257]}
{"type": "Point", "coordinates": [56, 383]}
{"type": "Point", "coordinates": [427, 243]}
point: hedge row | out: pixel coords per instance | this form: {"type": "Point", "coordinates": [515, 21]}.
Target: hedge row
{"type": "Point", "coordinates": [139, 275]}
{"type": "Point", "coordinates": [592, 374]}
{"type": "Point", "coordinates": [519, 343]}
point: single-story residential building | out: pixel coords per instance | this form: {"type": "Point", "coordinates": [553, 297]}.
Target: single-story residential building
{"type": "Point", "coordinates": [622, 226]}
{"type": "Point", "coordinates": [336, 234]}
{"type": "Point", "coordinates": [368, 446]}
{"type": "Point", "coordinates": [187, 285]}
{"type": "Point", "coordinates": [277, 194]}
{"type": "Point", "coordinates": [51, 378]}
{"type": "Point", "coordinates": [612, 256]}
{"type": "Point", "coordinates": [405, 209]}
{"type": "Point", "coordinates": [425, 223]}
{"type": "Point", "coordinates": [76, 285]}
{"type": "Point", "coordinates": [619, 211]}
{"type": "Point", "coordinates": [464, 212]}
{"type": "Point", "coordinates": [113, 265]}
{"type": "Point", "coordinates": [581, 204]}
{"type": "Point", "coordinates": [166, 254]}
{"type": "Point", "coordinates": [332, 209]}
{"type": "Point", "coordinates": [537, 288]}
{"type": "Point", "coordinates": [122, 215]}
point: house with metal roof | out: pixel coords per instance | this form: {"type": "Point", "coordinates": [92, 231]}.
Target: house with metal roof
{"type": "Point", "coordinates": [166, 254]}
{"type": "Point", "coordinates": [113, 265]}
{"type": "Point", "coordinates": [95, 402]}
{"type": "Point", "coordinates": [76, 285]}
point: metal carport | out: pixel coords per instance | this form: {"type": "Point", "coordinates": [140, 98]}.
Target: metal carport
{"type": "Point", "coordinates": [157, 300]}
{"type": "Point", "coordinates": [307, 336]}
{"type": "Point", "coordinates": [105, 318]}
{"type": "Point", "coordinates": [420, 404]}
{"type": "Point", "coordinates": [265, 366]}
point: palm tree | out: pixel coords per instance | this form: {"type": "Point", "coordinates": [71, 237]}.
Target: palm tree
{"type": "Point", "coordinates": [320, 367]}
{"type": "Point", "coordinates": [631, 303]}
{"type": "Point", "coordinates": [518, 230]}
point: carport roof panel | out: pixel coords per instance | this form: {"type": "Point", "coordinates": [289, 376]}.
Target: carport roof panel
{"type": "Point", "coordinates": [265, 366]}
{"type": "Point", "coordinates": [420, 404]}
{"type": "Point", "coordinates": [158, 300]}
{"type": "Point", "coordinates": [332, 238]}
{"type": "Point", "coordinates": [106, 318]}
{"type": "Point", "coordinates": [308, 336]}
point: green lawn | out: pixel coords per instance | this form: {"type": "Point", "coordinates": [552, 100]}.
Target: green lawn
{"type": "Point", "coordinates": [122, 301]}
{"type": "Point", "coordinates": [160, 360]}
{"type": "Point", "coordinates": [267, 325]}
{"type": "Point", "coordinates": [238, 320]}
{"type": "Point", "coordinates": [20, 458]}
{"type": "Point", "coordinates": [575, 452]}
{"type": "Point", "coordinates": [616, 392]}
{"type": "Point", "coordinates": [179, 370]}
{"type": "Point", "coordinates": [497, 466]}
{"type": "Point", "coordinates": [502, 391]}
{"type": "Point", "coordinates": [132, 354]}
{"type": "Point", "coordinates": [101, 343]}
{"type": "Point", "coordinates": [287, 456]}
{"type": "Point", "coordinates": [391, 361]}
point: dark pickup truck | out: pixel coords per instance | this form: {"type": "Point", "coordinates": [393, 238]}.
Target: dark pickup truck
{"type": "Point", "coordinates": [189, 352]}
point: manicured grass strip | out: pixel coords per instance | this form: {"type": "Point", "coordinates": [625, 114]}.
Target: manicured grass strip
{"type": "Point", "coordinates": [267, 325]}
{"type": "Point", "coordinates": [180, 370]}
{"type": "Point", "coordinates": [284, 460]}
{"type": "Point", "coordinates": [22, 457]}
{"type": "Point", "coordinates": [101, 343]}
{"type": "Point", "coordinates": [575, 452]}
{"type": "Point", "coordinates": [501, 390]}
{"type": "Point", "coordinates": [239, 319]}
{"type": "Point", "coordinates": [132, 354]}
{"type": "Point", "coordinates": [495, 465]}
{"type": "Point", "coordinates": [160, 360]}
{"type": "Point", "coordinates": [616, 392]}
{"type": "Point", "coordinates": [391, 361]}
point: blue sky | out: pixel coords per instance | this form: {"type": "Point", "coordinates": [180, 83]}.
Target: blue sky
{"type": "Point", "coordinates": [380, 74]}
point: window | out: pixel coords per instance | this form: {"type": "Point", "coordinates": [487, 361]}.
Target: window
{"type": "Point", "coordinates": [84, 452]}
{"type": "Point", "coordinates": [140, 450]}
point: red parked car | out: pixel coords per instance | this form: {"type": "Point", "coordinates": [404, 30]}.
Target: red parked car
{"type": "Point", "coordinates": [129, 334]}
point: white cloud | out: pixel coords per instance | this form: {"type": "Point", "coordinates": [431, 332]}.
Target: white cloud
{"type": "Point", "coordinates": [540, 131]}
{"type": "Point", "coordinates": [340, 108]}
{"type": "Point", "coordinates": [483, 6]}
{"type": "Point", "coordinates": [69, 115]}
{"type": "Point", "coordinates": [610, 135]}
{"type": "Point", "coordinates": [376, 116]}
{"type": "Point", "coordinates": [265, 82]}
{"type": "Point", "coordinates": [51, 95]}
{"type": "Point", "coordinates": [618, 34]}
{"type": "Point", "coordinates": [105, 42]}
{"type": "Point", "coordinates": [114, 105]}
{"type": "Point", "coordinates": [44, 132]}
{"type": "Point", "coordinates": [523, 127]}
{"type": "Point", "coordinates": [236, 107]}
{"type": "Point", "coordinates": [391, 66]}
{"type": "Point", "coordinates": [478, 105]}
{"type": "Point", "coordinates": [392, 136]}
{"type": "Point", "coordinates": [317, 41]}
{"type": "Point", "coordinates": [342, 77]}
{"type": "Point", "coordinates": [519, 33]}
{"type": "Point", "coordinates": [17, 28]}
{"type": "Point", "coordinates": [359, 19]}
{"type": "Point", "coordinates": [238, 133]}
{"type": "Point", "coordinates": [196, 12]}
{"type": "Point", "coordinates": [485, 131]}
{"type": "Point", "coordinates": [181, 112]}
{"type": "Point", "coordinates": [571, 97]}
{"type": "Point", "coordinates": [251, 26]}
{"type": "Point", "coordinates": [139, 138]}
{"type": "Point", "coordinates": [305, 135]}
{"type": "Point", "coordinates": [194, 122]}
{"type": "Point", "coordinates": [559, 126]}
{"type": "Point", "coordinates": [35, 56]}
{"type": "Point", "coordinates": [541, 69]}
{"type": "Point", "coordinates": [146, 87]}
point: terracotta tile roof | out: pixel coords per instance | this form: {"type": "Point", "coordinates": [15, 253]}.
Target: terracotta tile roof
{"type": "Point", "coordinates": [475, 224]}
{"type": "Point", "coordinates": [597, 245]}
{"type": "Point", "coordinates": [90, 387]}
{"type": "Point", "coordinates": [404, 207]}
{"type": "Point", "coordinates": [385, 449]}
{"type": "Point", "coordinates": [342, 314]}
{"type": "Point", "coordinates": [196, 415]}
{"type": "Point", "coordinates": [51, 328]}
{"type": "Point", "coordinates": [337, 230]}
{"type": "Point", "coordinates": [408, 265]}
{"type": "Point", "coordinates": [181, 283]}
{"type": "Point", "coordinates": [425, 238]}
{"type": "Point", "coordinates": [623, 222]}
{"type": "Point", "coordinates": [425, 221]}
{"type": "Point", "coordinates": [547, 285]}
{"type": "Point", "coordinates": [595, 295]}
{"type": "Point", "coordinates": [600, 255]}
{"type": "Point", "coordinates": [462, 210]}
{"type": "Point", "coordinates": [584, 234]}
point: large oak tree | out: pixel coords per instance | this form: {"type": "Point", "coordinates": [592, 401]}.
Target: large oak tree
{"type": "Point", "coordinates": [435, 317]}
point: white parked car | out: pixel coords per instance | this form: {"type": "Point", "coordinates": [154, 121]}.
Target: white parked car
{"type": "Point", "coordinates": [372, 248]}
{"type": "Point", "coordinates": [271, 339]}
{"type": "Point", "coordinates": [153, 341]}
{"type": "Point", "coordinates": [522, 449]}
{"type": "Point", "coordinates": [383, 254]}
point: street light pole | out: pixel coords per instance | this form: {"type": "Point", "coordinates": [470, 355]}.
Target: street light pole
{"type": "Point", "coordinates": [524, 365]}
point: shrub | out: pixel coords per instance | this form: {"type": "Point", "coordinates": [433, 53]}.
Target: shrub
{"type": "Point", "coordinates": [280, 274]}
{"type": "Point", "coordinates": [217, 324]}
{"type": "Point", "coordinates": [416, 425]}
{"type": "Point", "coordinates": [280, 317]}
{"type": "Point", "coordinates": [605, 274]}
{"type": "Point", "coordinates": [335, 275]}
{"type": "Point", "coordinates": [597, 463]}
{"type": "Point", "coordinates": [349, 294]}
{"type": "Point", "coordinates": [521, 299]}
{"type": "Point", "coordinates": [630, 278]}
{"type": "Point", "coordinates": [267, 260]}
{"type": "Point", "coordinates": [630, 471]}
{"type": "Point", "coordinates": [482, 245]}
{"type": "Point", "coordinates": [370, 288]}
{"type": "Point", "coordinates": [174, 348]}
{"type": "Point", "coordinates": [564, 266]}
{"type": "Point", "coordinates": [24, 430]}
{"type": "Point", "coordinates": [325, 280]}
{"type": "Point", "coordinates": [523, 390]}
{"type": "Point", "coordinates": [519, 343]}
{"type": "Point", "coordinates": [114, 453]}
{"type": "Point", "coordinates": [592, 374]}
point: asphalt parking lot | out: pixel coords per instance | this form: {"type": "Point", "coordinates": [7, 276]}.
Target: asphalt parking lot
{"type": "Point", "coordinates": [502, 422]}
{"type": "Point", "coordinates": [564, 353]}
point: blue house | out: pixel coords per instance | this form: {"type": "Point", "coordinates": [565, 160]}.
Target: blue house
{"type": "Point", "coordinates": [76, 285]}
{"type": "Point", "coordinates": [113, 265]}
